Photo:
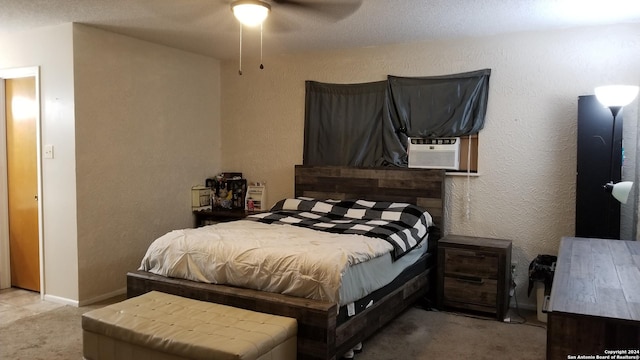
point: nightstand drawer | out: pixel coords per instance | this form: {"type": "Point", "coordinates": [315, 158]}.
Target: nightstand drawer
{"type": "Point", "coordinates": [472, 290]}
{"type": "Point", "coordinates": [471, 263]}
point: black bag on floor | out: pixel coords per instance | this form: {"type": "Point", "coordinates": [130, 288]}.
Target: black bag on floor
{"type": "Point", "coordinates": [542, 269]}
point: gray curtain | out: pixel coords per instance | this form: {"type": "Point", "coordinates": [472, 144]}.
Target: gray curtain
{"type": "Point", "coordinates": [434, 106]}
{"type": "Point", "coordinates": [368, 124]}
{"type": "Point", "coordinates": [343, 124]}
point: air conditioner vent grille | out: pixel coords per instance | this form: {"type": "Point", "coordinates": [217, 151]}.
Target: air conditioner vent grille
{"type": "Point", "coordinates": [434, 153]}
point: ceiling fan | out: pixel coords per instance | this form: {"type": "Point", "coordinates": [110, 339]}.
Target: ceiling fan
{"type": "Point", "coordinates": [329, 10]}
{"type": "Point", "coordinates": [253, 13]}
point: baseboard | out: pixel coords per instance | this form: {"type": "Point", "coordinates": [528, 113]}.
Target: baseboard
{"type": "Point", "coordinates": [103, 297]}
{"type": "Point", "coordinates": [526, 306]}
{"type": "Point", "coordinates": [76, 303]}
{"type": "Point", "coordinates": [60, 300]}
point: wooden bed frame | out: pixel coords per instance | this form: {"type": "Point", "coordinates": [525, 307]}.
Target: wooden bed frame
{"type": "Point", "coordinates": [319, 335]}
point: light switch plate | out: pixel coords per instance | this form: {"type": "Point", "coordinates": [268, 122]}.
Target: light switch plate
{"type": "Point", "coordinates": [48, 152]}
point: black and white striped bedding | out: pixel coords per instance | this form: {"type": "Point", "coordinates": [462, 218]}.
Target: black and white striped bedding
{"type": "Point", "coordinates": [403, 225]}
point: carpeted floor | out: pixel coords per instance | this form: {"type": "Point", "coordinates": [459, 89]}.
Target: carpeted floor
{"type": "Point", "coordinates": [56, 334]}
{"type": "Point", "coordinates": [416, 335]}
{"type": "Point", "coordinates": [431, 335]}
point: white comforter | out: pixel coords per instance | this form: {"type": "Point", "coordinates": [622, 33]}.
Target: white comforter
{"type": "Point", "coordinates": [283, 259]}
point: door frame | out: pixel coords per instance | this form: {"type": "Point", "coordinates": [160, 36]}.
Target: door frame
{"type": "Point", "coordinates": [5, 265]}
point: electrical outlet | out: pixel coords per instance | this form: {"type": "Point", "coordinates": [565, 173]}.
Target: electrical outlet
{"type": "Point", "coordinates": [512, 288]}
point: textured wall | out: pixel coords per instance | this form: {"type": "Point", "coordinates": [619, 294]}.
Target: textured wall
{"type": "Point", "coordinates": [147, 130]}
{"type": "Point", "coordinates": [526, 188]}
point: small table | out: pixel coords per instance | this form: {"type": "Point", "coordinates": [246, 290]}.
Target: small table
{"type": "Point", "coordinates": [594, 306]}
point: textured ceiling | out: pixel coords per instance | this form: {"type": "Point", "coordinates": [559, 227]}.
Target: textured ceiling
{"type": "Point", "coordinates": [208, 27]}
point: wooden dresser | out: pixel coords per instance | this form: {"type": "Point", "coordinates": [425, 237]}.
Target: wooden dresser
{"type": "Point", "coordinates": [474, 274]}
{"type": "Point", "coordinates": [594, 306]}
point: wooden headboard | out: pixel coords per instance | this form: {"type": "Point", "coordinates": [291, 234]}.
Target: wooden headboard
{"type": "Point", "coordinates": [422, 187]}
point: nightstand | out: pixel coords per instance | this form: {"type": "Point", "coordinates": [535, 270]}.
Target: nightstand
{"type": "Point", "coordinates": [474, 274]}
{"type": "Point", "coordinates": [209, 217]}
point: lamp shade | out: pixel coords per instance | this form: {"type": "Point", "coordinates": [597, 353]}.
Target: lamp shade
{"type": "Point", "coordinates": [616, 95]}
{"type": "Point", "coordinates": [250, 12]}
{"type": "Point", "coordinates": [620, 191]}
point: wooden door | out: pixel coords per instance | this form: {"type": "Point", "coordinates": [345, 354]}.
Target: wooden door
{"type": "Point", "coordinates": [21, 110]}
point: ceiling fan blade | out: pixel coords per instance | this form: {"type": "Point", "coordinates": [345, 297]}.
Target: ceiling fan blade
{"type": "Point", "coordinates": [280, 24]}
{"type": "Point", "coordinates": [333, 10]}
{"type": "Point", "coordinates": [180, 11]}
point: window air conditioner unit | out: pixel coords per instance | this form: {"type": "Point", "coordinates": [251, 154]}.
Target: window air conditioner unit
{"type": "Point", "coordinates": [435, 153]}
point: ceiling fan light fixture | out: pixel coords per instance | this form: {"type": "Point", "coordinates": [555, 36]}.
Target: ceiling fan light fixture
{"type": "Point", "coordinates": [250, 12]}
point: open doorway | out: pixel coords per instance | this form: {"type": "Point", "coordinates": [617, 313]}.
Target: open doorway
{"type": "Point", "coordinates": [20, 180]}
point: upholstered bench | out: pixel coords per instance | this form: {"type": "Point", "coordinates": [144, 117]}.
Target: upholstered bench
{"type": "Point", "coordinates": [160, 326]}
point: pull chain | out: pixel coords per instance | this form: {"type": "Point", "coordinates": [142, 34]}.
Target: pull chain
{"type": "Point", "coordinates": [468, 204]}
{"type": "Point", "coordinates": [240, 67]}
{"type": "Point", "coordinates": [261, 64]}
{"type": "Point", "coordinates": [261, 31]}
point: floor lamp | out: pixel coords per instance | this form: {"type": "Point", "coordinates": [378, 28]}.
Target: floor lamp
{"type": "Point", "coordinates": [615, 97]}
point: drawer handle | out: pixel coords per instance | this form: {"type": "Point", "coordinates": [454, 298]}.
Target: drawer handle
{"type": "Point", "coordinates": [472, 256]}
{"type": "Point", "coordinates": [471, 280]}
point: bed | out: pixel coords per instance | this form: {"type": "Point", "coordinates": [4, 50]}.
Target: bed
{"type": "Point", "coordinates": [327, 329]}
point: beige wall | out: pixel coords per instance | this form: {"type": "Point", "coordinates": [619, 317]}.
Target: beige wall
{"type": "Point", "coordinates": [51, 49]}
{"type": "Point", "coordinates": [143, 128]}
{"type": "Point", "coordinates": [147, 130]}
{"type": "Point", "coordinates": [527, 160]}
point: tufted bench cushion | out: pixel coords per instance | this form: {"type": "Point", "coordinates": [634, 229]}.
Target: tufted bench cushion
{"type": "Point", "coordinates": [162, 326]}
